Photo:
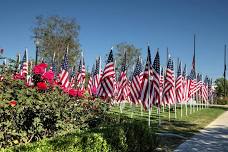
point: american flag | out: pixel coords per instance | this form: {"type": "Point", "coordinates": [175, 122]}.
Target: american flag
{"type": "Point", "coordinates": [72, 77]}
{"type": "Point", "coordinates": [123, 82]}
{"type": "Point", "coordinates": [17, 62]}
{"type": "Point", "coordinates": [135, 86]}
{"type": "Point", "coordinates": [210, 90]}
{"type": "Point", "coordinates": [179, 83]}
{"type": "Point", "coordinates": [192, 83]}
{"type": "Point", "coordinates": [169, 87]}
{"type": "Point", "coordinates": [24, 64]}
{"type": "Point", "coordinates": [185, 85]}
{"type": "Point", "coordinates": [90, 83]}
{"type": "Point", "coordinates": [199, 82]}
{"type": "Point", "coordinates": [205, 90]}
{"type": "Point", "coordinates": [106, 86]}
{"type": "Point", "coordinates": [29, 80]}
{"type": "Point", "coordinates": [146, 85]}
{"type": "Point", "coordinates": [81, 74]}
{"type": "Point", "coordinates": [97, 73]}
{"type": "Point", "coordinates": [64, 75]}
{"type": "Point", "coordinates": [156, 80]}
{"type": "Point", "coordinates": [161, 85]}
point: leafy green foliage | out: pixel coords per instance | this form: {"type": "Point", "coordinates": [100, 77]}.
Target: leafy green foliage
{"type": "Point", "coordinates": [220, 87]}
{"type": "Point", "coordinates": [55, 34]}
{"type": "Point", "coordinates": [41, 114]}
{"type": "Point", "coordinates": [223, 101]}
{"type": "Point", "coordinates": [132, 54]}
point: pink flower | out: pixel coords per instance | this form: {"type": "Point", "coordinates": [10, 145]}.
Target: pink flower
{"type": "Point", "coordinates": [40, 68]}
{"type": "Point", "coordinates": [94, 90]}
{"type": "Point", "coordinates": [73, 92]}
{"type": "Point", "coordinates": [13, 103]}
{"type": "Point", "coordinates": [49, 76]}
{"type": "Point", "coordinates": [80, 93]}
{"type": "Point", "coordinates": [41, 85]}
{"type": "Point", "coordinates": [43, 65]}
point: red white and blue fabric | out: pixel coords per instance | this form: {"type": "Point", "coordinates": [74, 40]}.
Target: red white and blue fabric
{"type": "Point", "coordinates": [205, 90]}
{"type": "Point", "coordinates": [24, 65]}
{"type": "Point", "coordinates": [135, 86]}
{"type": "Point", "coordinates": [185, 86]}
{"type": "Point", "coordinates": [97, 75]}
{"type": "Point", "coordinates": [64, 74]}
{"type": "Point", "coordinates": [169, 84]}
{"type": "Point", "coordinates": [156, 81]}
{"type": "Point", "coordinates": [106, 86]}
{"type": "Point", "coordinates": [81, 75]}
{"type": "Point", "coordinates": [146, 85]}
{"type": "Point", "coordinates": [179, 85]}
{"type": "Point", "coordinates": [90, 82]}
{"type": "Point", "coordinates": [161, 85]}
{"type": "Point", "coordinates": [123, 82]}
{"type": "Point", "coordinates": [192, 84]}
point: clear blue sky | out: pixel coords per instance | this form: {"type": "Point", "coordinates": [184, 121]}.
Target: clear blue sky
{"type": "Point", "coordinates": [104, 23]}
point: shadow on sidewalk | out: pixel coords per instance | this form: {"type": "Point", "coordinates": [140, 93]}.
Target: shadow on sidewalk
{"type": "Point", "coordinates": [210, 139]}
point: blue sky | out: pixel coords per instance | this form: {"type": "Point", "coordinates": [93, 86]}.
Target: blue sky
{"type": "Point", "coordinates": [104, 23]}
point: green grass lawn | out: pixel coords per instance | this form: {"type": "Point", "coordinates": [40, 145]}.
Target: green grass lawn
{"type": "Point", "coordinates": [185, 126]}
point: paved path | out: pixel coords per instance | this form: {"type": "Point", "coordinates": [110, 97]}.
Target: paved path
{"type": "Point", "coordinates": [213, 138]}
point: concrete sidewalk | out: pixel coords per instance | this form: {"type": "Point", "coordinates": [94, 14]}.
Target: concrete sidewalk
{"type": "Point", "coordinates": [214, 138]}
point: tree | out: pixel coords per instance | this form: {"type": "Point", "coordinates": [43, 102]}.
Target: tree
{"type": "Point", "coordinates": [56, 34]}
{"type": "Point", "coordinates": [132, 55]}
{"type": "Point", "coordinates": [220, 87]}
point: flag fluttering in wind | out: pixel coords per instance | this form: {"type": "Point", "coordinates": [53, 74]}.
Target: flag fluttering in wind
{"type": "Point", "coordinates": [192, 83]}
{"type": "Point", "coordinates": [156, 80]}
{"type": "Point", "coordinates": [81, 74]}
{"type": "Point", "coordinates": [97, 74]}
{"type": "Point", "coordinates": [123, 82]}
{"type": "Point", "coordinates": [185, 85]}
{"type": "Point", "coordinates": [135, 86]}
{"type": "Point", "coordinates": [179, 84]}
{"type": "Point", "coordinates": [169, 84]}
{"type": "Point", "coordinates": [106, 86]}
{"type": "Point", "coordinates": [90, 83]}
{"type": "Point", "coordinates": [17, 63]}
{"type": "Point", "coordinates": [146, 88]}
{"type": "Point", "coordinates": [64, 75]}
{"type": "Point", "coordinates": [24, 64]}
{"type": "Point", "coordinates": [161, 85]}
{"type": "Point", "coordinates": [205, 90]}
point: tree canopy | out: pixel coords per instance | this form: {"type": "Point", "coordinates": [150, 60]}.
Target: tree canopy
{"type": "Point", "coordinates": [55, 35]}
{"type": "Point", "coordinates": [132, 54]}
{"type": "Point", "coordinates": [220, 87]}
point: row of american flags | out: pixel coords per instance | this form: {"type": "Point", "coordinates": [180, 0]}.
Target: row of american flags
{"type": "Point", "coordinates": [151, 86]}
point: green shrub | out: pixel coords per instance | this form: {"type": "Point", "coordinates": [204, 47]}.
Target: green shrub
{"type": "Point", "coordinates": [223, 101]}
{"type": "Point", "coordinates": [74, 142]}
{"type": "Point", "coordinates": [41, 114]}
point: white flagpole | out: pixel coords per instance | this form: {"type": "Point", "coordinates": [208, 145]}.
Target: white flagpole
{"type": "Point", "coordinates": [148, 93]}
{"type": "Point", "coordinates": [159, 118]}
{"type": "Point", "coordinates": [186, 108]}
{"type": "Point", "coordinates": [53, 59]}
{"type": "Point", "coordinates": [181, 90]}
{"type": "Point", "coordinates": [131, 101]}
{"type": "Point", "coordinates": [175, 105]}
{"type": "Point", "coordinates": [169, 111]}
{"type": "Point", "coordinates": [140, 100]}
{"type": "Point", "coordinates": [191, 105]}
